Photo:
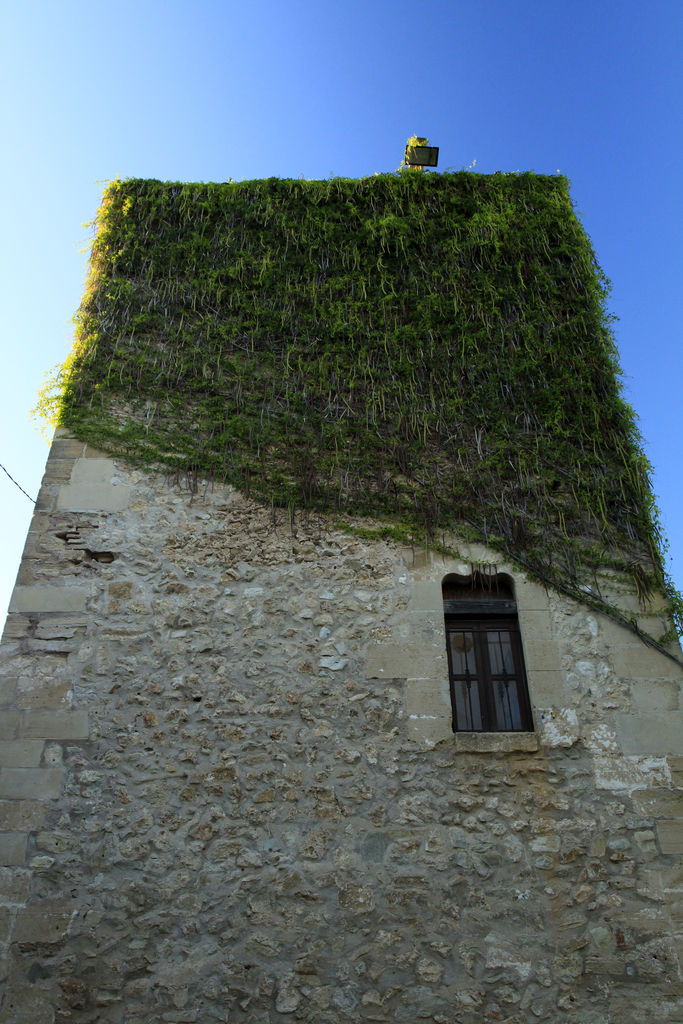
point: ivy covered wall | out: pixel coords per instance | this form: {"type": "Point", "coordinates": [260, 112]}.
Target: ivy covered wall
{"type": "Point", "coordinates": [430, 350]}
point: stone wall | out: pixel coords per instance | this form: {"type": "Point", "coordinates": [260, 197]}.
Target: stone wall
{"type": "Point", "coordinates": [229, 790]}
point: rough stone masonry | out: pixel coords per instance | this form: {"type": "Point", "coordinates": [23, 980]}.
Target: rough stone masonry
{"type": "Point", "coordinates": [229, 790]}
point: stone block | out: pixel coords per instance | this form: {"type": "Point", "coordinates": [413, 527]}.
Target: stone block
{"type": "Point", "coordinates": [659, 803]}
{"type": "Point", "coordinates": [546, 687]}
{"type": "Point", "coordinates": [91, 488]}
{"type": "Point", "coordinates": [656, 695]}
{"type": "Point", "coordinates": [46, 598]}
{"type": "Point", "coordinates": [39, 693]}
{"type": "Point", "coordinates": [559, 726]}
{"type": "Point", "coordinates": [25, 1005]}
{"type": "Point", "coordinates": [21, 815]}
{"type": "Point", "coordinates": [546, 844]}
{"type": "Point", "coordinates": [93, 471]}
{"type": "Point", "coordinates": [16, 627]}
{"type": "Point", "coordinates": [415, 558]}
{"type": "Point", "coordinates": [430, 730]}
{"type": "Point", "coordinates": [30, 783]}
{"type": "Point", "coordinates": [654, 625]}
{"type": "Point", "coordinates": [426, 596]}
{"type": "Point", "coordinates": [35, 646]}
{"type": "Point", "coordinates": [403, 661]}
{"type": "Point", "coordinates": [45, 502]}
{"type": "Point", "coordinates": [94, 497]}
{"type": "Point", "coordinates": [650, 733]}
{"type": "Point", "coordinates": [20, 753]}
{"type": "Point", "coordinates": [426, 625]}
{"type": "Point", "coordinates": [57, 471]}
{"type": "Point", "coordinates": [8, 691]}
{"type": "Point", "coordinates": [495, 742]}
{"type": "Point", "coordinates": [26, 576]}
{"type": "Point", "coordinates": [52, 842]}
{"type": "Point", "coordinates": [41, 523]}
{"type": "Point", "coordinates": [428, 710]}
{"type": "Point", "coordinates": [613, 634]}
{"type": "Point", "coordinates": [14, 885]}
{"type": "Point", "coordinates": [36, 545]}
{"type": "Point", "coordinates": [670, 835]}
{"type": "Point", "coordinates": [617, 591]}
{"type": "Point", "coordinates": [43, 921]}
{"type": "Point", "coordinates": [93, 453]}
{"type": "Point", "coordinates": [662, 884]}
{"type": "Point", "coordinates": [676, 769]}
{"type": "Point", "coordinates": [54, 725]}
{"type": "Point", "coordinates": [9, 725]}
{"type": "Point", "coordinates": [541, 655]}
{"type": "Point", "coordinates": [65, 448]}
{"type": "Point", "coordinates": [530, 597]}
{"type": "Point", "coordinates": [535, 622]}
{"type": "Point", "coordinates": [13, 849]}
{"type": "Point", "coordinates": [62, 626]}
{"type": "Point", "coordinates": [626, 774]}
{"type": "Point", "coordinates": [641, 662]}
{"type": "Point", "coordinates": [427, 698]}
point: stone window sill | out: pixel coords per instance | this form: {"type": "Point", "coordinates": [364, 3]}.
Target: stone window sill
{"type": "Point", "coordinates": [495, 742]}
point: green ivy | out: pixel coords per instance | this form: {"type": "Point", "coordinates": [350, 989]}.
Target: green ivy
{"type": "Point", "coordinates": [428, 349]}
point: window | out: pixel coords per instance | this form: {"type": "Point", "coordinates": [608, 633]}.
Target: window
{"type": "Point", "coordinates": [485, 661]}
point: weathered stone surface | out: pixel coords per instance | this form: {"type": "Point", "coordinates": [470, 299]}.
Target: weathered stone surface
{"type": "Point", "coordinates": [44, 921]}
{"type": "Point", "coordinates": [46, 598]}
{"type": "Point", "coordinates": [12, 848]}
{"type": "Point", "coordinates": [650, 733]}
{"type": "Point", "coordinates": [547, 688]}
{"type": "Point", "coordinates": [94, 486]}
{"type": "Point", "coordinates": [640, 662]}
{"type": "Point", "coordinates": [659, 803]}
{"type": "Point", "coordinates": [541, 655]}
{"type": "Point", "coordinates": [54, 725]}
{"type": "Point", "coordinates": [559, 726]}
{"type": "Point", "coordinates": [30, 783]}
{"type": "Point", "coordinates": [499, 742]}
{"type": "Point", "coordinates": [398, 661]}
{"type": "Point", "coordinates": [39, 692]}
{"type": "Point", "coordinates": [657, 695]}
{"type": "Point", "coordinates": [253, 807]}
{"type": "Point", "coordinates": [670, 834]}
{"type": "Point", "coordinates": [22, 815]}
{"type": "Point", "coordinates": [7, 692]}
{"type": "Point", "coordinates": [20, 753]}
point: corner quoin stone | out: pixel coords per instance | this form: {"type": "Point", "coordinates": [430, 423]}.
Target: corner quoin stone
{"type": "Point", "coordinates": [91, 488]}
{"type": "Point", "coordinates": [30, 783]}
{"type": "Point", "coordinates": [13, 848]}
{"type": "Point", "coordinates": [42, 598]}
{"type": "Point", "coordinates": [54, 725]}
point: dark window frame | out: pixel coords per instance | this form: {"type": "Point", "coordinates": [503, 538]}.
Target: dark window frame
{"type": "Point", "coordinates": [476, 620]}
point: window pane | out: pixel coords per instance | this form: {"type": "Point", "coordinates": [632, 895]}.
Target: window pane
{"type": "Point", "coordinates": [500, 652]}
{"type": "Point", "coordinates": [467, 707]}
{"type": "Point", "coordinates": [506, 705]}
{"type": "Point", "coordinates": [462, 653]}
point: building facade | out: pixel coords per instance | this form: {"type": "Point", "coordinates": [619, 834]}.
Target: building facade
{"type": "Point", "coordinates": [231, 789]}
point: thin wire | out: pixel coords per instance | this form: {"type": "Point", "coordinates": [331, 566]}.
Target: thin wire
{"type": "Point", "coordinates": [16, 484]}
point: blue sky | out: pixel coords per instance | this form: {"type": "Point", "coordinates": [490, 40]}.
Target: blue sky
{"type": "Point", "coordinates": [215, 90]}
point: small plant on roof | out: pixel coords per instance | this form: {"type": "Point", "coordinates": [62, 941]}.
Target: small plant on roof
{"type": "Point", "coordinates": [411, 143]}
{"type": "Point", "coordinates": [419, 154]}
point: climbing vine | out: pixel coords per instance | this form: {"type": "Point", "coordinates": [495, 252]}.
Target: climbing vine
{"type": "Point", "coordinates": [428, 349]}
